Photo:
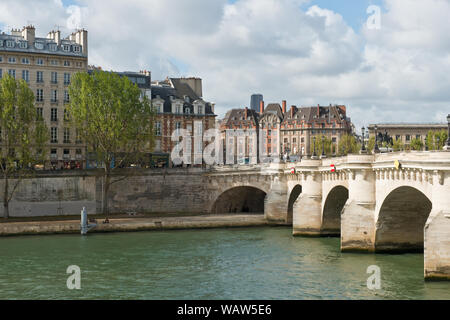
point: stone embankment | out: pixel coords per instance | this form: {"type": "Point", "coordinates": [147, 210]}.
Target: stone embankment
{"type": "Point", "coordinates": [133, 224]}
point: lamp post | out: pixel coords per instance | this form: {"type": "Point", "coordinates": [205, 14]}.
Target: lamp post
{"type": "Point", "coordinates": [363, 147]}
{"type": "Point", "coordinates": [376, 150]}
{"type": "Point", "coordinates": [323, 148]}
{"type": "Point", "coordinates": [447, 144]}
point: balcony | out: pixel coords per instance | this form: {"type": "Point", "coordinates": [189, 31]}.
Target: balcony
{"type": "Point", "coordinates": [53, 156]}
{"type": "Point", "coordinates": [66, 156]}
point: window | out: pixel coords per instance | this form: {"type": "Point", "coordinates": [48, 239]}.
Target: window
{"type": "Point", "coordinates": [66, 96]}
{"type": "Point", "coordinates": [76, 49]}
{"type": "Point", "coordinates": [54, 96]}
{"type": "Point", "coordinates": [54, 135]}
{"type": "Point", "coordinates": [54, 114]}
{"type": "Point", "coordinates": [77, 136]}
{"type": "Point", "coordinates": [158, 128]}
{"type": "Point", "coordinates": [11, 59]}
{"type": "Point", "coordinates": [25, 61]}
{"type": "Point", "coordinates": [200, 110]}
{"type": "Point", "coordinates": [78, 153]}
{"type": "Point", "coordinates": [1, 59]}
{"type": "Point", "coordinates": [80, 64]}
{"type": "Point", "coordinates": [39, 76]}
{"type": "Point", "coordinates": [178, 127]}
{"type": "Point", "coordinates": [54, 77]}
{"type": "Point", "coordinates": [23, 44]}
{"type": "Point", "coordinates": [53, 154]}
{"type": "Point", "coordinates": [52, 47]}
{"type": "Point", "coordinates": [408, 137]}
{"type": "Point", "coordinates": [177, 109]}
{"type": "Point", "coordinates": [39, 114]}
{"type": "Point", "coordinates": [66, 154]}
{"type": "Point", "coordinates": [333, 140]}
{"type": "Point", "coordinates": [54, 62]}
{"type": "Point", "coordinates": [26, 75]}
{"type": "Point", "coordinates": [40, 62]}
{"type": "Point", "coordinates": [66, 47]}
{"type": "Point", "coordinates": [66, 135]}
{"type": "Point", "coordinates": [397, 137]}
{"type": "Point", "coordinates": [1, 73]}
{"type": "Point", "coordinates": [66, 63]}
{"type": "Point", "coordinates": [39, 95]}
{"type": "Point", "coordinates": [418, 136]}
{"type": "Point", "coordinates": [66, 78]}
{"type": "Point", "coordinates": [39, 45]}
{"type": "Point", "coordinates": [12, 73]}
{"type": "Point", "coordinates": [1, 43]}
{"type": "Point", "coordinates": [9, 44]}
{"type": "Point", "coordinates": [66, 115]}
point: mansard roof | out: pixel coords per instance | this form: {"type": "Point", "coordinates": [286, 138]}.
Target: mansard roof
{"type": "Point", "coordinates": [236, 117]}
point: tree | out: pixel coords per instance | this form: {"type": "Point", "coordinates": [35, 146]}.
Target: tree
{"type": "Point", "coordinates": [397, 145]}
{"type": "Point", "coordinates": [371, 145]}
{"type": "Point", "coordinates": [327, 143]}
{"type": "Point", "coordinates": [416, 144]}
{"type": "Point", "coordinates": [436, 139]}
{"type": "Point", "coordinates": [114, 120]}
{"type": "Point", "coordinates": [22, 135]}
{"type": "Point", "coordinates": [347, 145]}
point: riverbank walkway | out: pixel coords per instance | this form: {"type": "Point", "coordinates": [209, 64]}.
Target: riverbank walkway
{"type": "Point", "coordinates": [134, 224]}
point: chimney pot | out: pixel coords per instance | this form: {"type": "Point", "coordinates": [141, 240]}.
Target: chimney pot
{"type": "Point", "coordinates": [284, 106]}
{"type": "Point", "coordinates": [261, 107]}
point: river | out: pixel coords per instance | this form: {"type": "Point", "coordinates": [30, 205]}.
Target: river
{"type": "Point", "coordinates": [247, 263]}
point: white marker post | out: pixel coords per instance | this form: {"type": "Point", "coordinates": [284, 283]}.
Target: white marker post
{"type": "Point", "coordinates": [85, 227]}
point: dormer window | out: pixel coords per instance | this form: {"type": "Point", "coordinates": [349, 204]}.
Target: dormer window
{"type": "Point", "coordinates": [23, 44]}
{"type": "Point", "coordinates": [1, 43]}
{"type": "Point", "coordinates": [9, 44]}
{"type": "Point", "coordinates": [39, 45]}
{"type": "Point", "coordinates": [66, 47]}
{"type": "Point", "coordinates": [76, 49]}
{"type": "Point", "coordinates": [52, 47]}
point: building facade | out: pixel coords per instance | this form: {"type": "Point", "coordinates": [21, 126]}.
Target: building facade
{"type": "Point", "coordinates": [288, 132]}
{"type": "Point", "coordinates": [47, 65]}
{"type": "Point", "coordinates": [255, 101]}
{"type": "Point", "coordinates": [406, 132]}
{"type": "Point", "coordinates": [179, 104]}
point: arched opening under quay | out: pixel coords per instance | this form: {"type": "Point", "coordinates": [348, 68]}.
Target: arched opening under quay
{"type": "Point", "coordinates": [240, 200]}
{"type": "Point", "coordinates": [295, 193]}
{"type": "Point", "coordinates": [332, 210]}
{"type": "Point", "coordinates": [401, 221]}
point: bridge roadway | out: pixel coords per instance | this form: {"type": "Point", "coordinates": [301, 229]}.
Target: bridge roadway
{"type": "Point", "coordinates": [368, 202]}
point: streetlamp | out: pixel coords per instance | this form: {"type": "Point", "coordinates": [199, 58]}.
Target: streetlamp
{"type": "Point", "coordinates": [363, 147]}
{"type": "Point", "coordinates": [323, 148]}
{"type": "Point", "coordinates": [376, 150]}
{"type": "Point", "coordinates": [447, 144]}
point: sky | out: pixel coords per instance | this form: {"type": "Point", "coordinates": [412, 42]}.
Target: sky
{"type": "Point", "coordinates": [307, 52]}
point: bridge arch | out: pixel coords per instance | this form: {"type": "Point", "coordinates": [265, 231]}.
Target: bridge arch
{"type": "Point", "coordinates": [332, 209]}
{"type": "Point", "coordinates": [295, 193]}
{"type": "Point", "coordinates": [240, 199]}
{"type": "Point", "coordinates": [401, 220]}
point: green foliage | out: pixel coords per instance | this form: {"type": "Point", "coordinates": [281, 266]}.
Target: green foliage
{"type": "Point", "coordinates": [436, 139]}
{"type": "Point", "coordinates": [22, 137]}
{"type": "Point", "coordinates": [416, 144]}
{"type": "Point", "coordinates": [370, 145]}
{"type": "Point", "coordinates": [113, 120]}
{"type": "Point", "coordinates": [398, 145]}
{"type": "Point", "coordinates": [347, 145]}
{"type": "Point", "coordinates": [330, 148]}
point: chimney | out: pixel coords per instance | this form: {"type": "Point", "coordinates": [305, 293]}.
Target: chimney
{"type": "Point", "coordinates": [28, 33]}
{"type": "Point", "coordinates": [318, 110]}
{"type": "Point", "coordinates": [57, 37]}
{"type": "Point", "coordinates": [261, 107]}
{"type": "Point", "coordinates": [212, 107]}
{"type": "Point", "coordinates": [245, 113]}
{"type": "Point", "coordinates": [292, 112]}
{"type": "Point", "coordinates": [284, 106]}
{"type": "Point", "coordinates": [81, 38]}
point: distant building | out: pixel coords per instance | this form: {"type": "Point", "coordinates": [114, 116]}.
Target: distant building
{"type": "Point", "coordinates": [255, 101]}
{"type": "Point", "coordinates": [179, 105]}
{"type": "Point", "coordinates": [47, 65]}
{"type": "Point", "coordinates": [405, 132]}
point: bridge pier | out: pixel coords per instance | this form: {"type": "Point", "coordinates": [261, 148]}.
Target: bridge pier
{"type": "Point", "coordinates": [276, 202]}
{"type": "Point", "coordinates": [437, 230]}
{"type": "Point", "coordinates": [307, 209]}
{"type": "Point", "coordinates": [358, 216]}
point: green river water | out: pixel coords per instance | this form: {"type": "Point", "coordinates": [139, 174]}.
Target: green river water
{"type": "Point", "coordinates": [247, 263]}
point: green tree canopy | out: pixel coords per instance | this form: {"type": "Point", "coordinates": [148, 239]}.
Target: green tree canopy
{"type": "Point", "coordinates": [328, 144]}
{"type": "Point", "coordinates": [22, 135]}
{"type": "Point", "coordinates": [348, 145]}
{"type": "Point", "coordinates": [113, 119]}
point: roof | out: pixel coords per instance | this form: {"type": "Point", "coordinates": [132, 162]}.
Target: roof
{"type": "Point", "coordinates": [236, 118]}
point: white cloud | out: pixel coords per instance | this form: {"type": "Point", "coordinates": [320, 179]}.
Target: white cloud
{"type": "Point", "coordinates": [397, 73]}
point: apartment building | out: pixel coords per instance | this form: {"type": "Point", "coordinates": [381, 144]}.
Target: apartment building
{"type": "Point", "coordinates": [47, 65]}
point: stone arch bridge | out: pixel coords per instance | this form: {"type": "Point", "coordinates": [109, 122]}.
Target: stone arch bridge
{"type": "Point", "coordinates": [369, 202]}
